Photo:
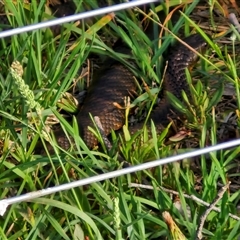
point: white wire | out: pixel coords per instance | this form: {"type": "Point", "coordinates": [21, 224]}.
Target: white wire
{"type": "Point", "coordinates": [75, 17]}
{"type": "Point", "coordinates": [25, 197]}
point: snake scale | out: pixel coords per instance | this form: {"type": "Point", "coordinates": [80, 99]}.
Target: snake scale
{"type": "Point", "coordinates": [117, 81]}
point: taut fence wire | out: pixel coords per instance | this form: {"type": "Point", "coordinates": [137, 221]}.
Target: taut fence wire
{"type": "Point", "coordinates": [75, 17]}
{"type": "Point", "coordinates": [26, 197]}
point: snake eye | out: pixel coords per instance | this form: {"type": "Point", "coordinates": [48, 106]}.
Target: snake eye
{"type": "Point", "coordinates": [203, 48]}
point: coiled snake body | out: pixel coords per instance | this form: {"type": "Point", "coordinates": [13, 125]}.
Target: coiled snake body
{"type": "Point", "coordinates": [117, 82]}
{"type": "Point", "coordinates": [110, 89]}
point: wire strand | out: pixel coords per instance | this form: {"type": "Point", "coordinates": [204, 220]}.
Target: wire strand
{"type": "Point", "coordinates": [26, 197]}
{"type": "Point", "coordinates": [75, 17]}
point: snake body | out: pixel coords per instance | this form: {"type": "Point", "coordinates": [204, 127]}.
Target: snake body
{"type": "Point", "coordinates": [117, 82]}
{"type": "Point", "coordinates": [179, 58]}
{"type": "Point", "coordinates": [106, 95]}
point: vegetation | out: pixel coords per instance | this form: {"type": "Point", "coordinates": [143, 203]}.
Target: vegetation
{"type": "Point", "coordinates": [41, 90]}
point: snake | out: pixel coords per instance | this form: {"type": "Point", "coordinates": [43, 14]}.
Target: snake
{"type": "Point", "coordinates": [110, 89]}
{"type": "Point", "coordinates": [116, 82]}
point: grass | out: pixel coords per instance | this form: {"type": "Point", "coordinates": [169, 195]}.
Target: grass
{"type": "Point", "coordinates": [111, 209]}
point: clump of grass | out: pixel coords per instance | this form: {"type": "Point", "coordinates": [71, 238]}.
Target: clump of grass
{"type": "Point", "coordinates": [108, 209]}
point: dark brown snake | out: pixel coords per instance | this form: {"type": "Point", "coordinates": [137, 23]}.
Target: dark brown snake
{"type": "Point", "coordinates": [116, 82]}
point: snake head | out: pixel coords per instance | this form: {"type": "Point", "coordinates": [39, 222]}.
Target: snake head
{"type": "Point", "coordinates": [198, 43]}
